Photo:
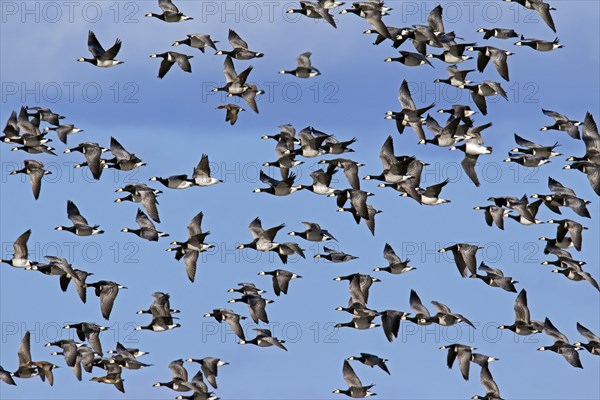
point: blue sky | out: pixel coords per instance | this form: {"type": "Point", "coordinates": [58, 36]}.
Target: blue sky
{"type": "Point", "coordinates": [171, 122]}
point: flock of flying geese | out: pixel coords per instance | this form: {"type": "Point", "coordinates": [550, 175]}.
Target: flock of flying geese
{"type": "Point", "coordinates": [399, 172]}
{"type": "Point", "coordinates": [432, 34]}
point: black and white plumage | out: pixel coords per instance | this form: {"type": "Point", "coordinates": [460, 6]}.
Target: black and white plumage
{"type": "Point", "coordinates": [473, 148]}
{"type": "Point", "coordinates": [542, 8]}
{"type": "Point", "coordinates": [561, 345]}
{"type": "Point", "coordinates": [263, 239]}
{"type": "Point", "coordinates": [281, 279]}
{"type": "Point", "coordinates": [198, 41]}
{"type": "Point", "coordinates": [422, 315]}
{"type": "Point", "coordinates": [162, 315]}
{"type": "Point", "coordinates": [573, 228]}
{"type": "Point", "coordinates": [314, 10]}
{"type": "Point", "coordinates": [492, 392]}
{"type": "Point", "coordinates": [390, 322]}
{"type": "Point", "coordinates": [480, 91]}
{"type": "Point", "coordinates": [123, 160]}
{"type": "Point", "coordinates": [461, 353]}
{"type": "Point", "coordinates": [63, 131]}
{"type": "Point", "coordinates": [239, 48]}
{"type": "Point", "coordinates": [69, 350]}
{"type": "Point", "coordinates": [35, 170]}
{"type": "Point", "coordinates": [453, 52]}
{"type": "Point", "coordinates": [93, 160]}
{"type": "Point", "coordinates": [591, 139]}
{"type": "Point", "coordinates": [78, 281]}
{"type": "Point", "coordinates": [410, 115]}
{"type": "Point", "coordinates": [264, 338]}
{"type": "Point", "coordinates": [396, 169]}
{"type": "Point", "coordinates": [169, 59]}
{"type": "Point", "coordinates": [540, 45]}
{"type": "Point", "coordinates": [313, 233]}
{"type": "Point", "coordinates": [210, 368]}
{"type": "Point", "coordinates": [20, 258]}
{"type": "Point", "coordinates": [335, 256]}
{"type": "Point", "coordinates": [276, 187]}
{"type": "Point", "coordinates": [534, 149]}
{"type": "Point", "coordinates": [140, 193]}
{"type": "Point", "coordinates": [395, 264]}
{"type": "Point", "coordinates": [232, 319]}
{"type": "Point", "coordinates": [101, 58]}
{"type": "Point", "coordinates": [591, 170]}
{"type": "Point", "coordinates": [356, 389]}
{"type": "Point", "coordinates": [445, 316]}
{"type": "Point", "coordinates": [574, 271]}
{"type": "Point", "coordinates": [80, 226]}
{"type": "Point", "coordinates": [359, 286]}
{"type": "Point", "coordinates": [371, 360]}
{"type": "Point", "coordinates": [495, 277]}
{"type": "Point", "coordinates": [256, 306]}
{"type": "Point", "coordinates": [247, 288]}
{"type": "Point", "coordinates": [562, 123]}
{"type": "Point", "coordinates": [430, 196]}
{"type": "Point", "coordinates": [456, 77]}
{"type": "Point", "coordinates": [498, 33]}
{"type": "Point", "coordinates": [89, 331]}
{"type": "Point", "coordinates": [147, 230]}
{"type": "Point", "coordinates": [563, 196]}
{"type": "Point", "coordinates": [589, 164]}
{"type": "Point", "coordinates": [464, 257]}
{"type": "Point", "coordinates": [449, 134]}
{"type": "Point", "coordinates": [523, 324]}
{"type": "Point", "coordinates": [410, 59]}
{"type": "Point", "coordinates": [493, 215]}
{"type": "Point", "coordinates": [358, 202]}
{"type": "Point", "coordinates": [593, 345]}
{"type": "Point", "coordinates": [107, 291]}
{"type": "Point", "coordinates": [193, 246]}
{"type": "Point", "coordinates": [235, 83]}
{"type": "Point", "coordinates": [498, 56]}
{"type": "Point", "coordinates": [170, 12]}
{"type": "Point", "coordinates": [304, 68]}
{"type": "Point", "coordinates": [6, 377]}
{"type": "Point", "coordinates": [349, 167]}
